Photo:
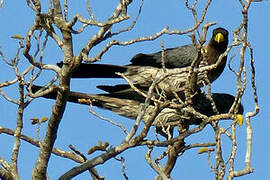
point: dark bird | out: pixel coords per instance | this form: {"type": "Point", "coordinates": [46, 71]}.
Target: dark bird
{"type": "Point", "coordinates": [130, 106]}
{"type": "Point", "coordinates": [146, 67]}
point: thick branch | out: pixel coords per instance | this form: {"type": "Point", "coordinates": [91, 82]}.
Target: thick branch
{"type": "Point", "coordinates": [40, 169]}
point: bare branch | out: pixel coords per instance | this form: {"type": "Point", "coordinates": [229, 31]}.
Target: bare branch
{"type": "Point", "coordinates": [56, 151]}
{"type": "Point", "coordinates": [17, 134]}
{"type": "Point", "coordinates": [92, 171]}
{"type": "Point", "coordinates": [8, 98]}
{"type": "Point", "coordinates": [173, 152]}
{"type": "Point", "coordinates": [90, 10]}
{"type": "Point", "coordinates": [123, 168]}
{"type": "Point", "coordinates": [35, 6]}
{"type": "Point", "coordinates": [99, 36]}
{"type": "Point", "coordinates": [220, 165]}
{"type": "Point", "coordinates": [66, 10]}
{"type": "Point", "coordinates": [4, 58]}
{"type": "Point", "coordinates": [154, 166]}
{"type": "Point", "coordinates": [131, 26]}
{"type": "Point", "coordinates": [57, 9]}
{"type": "Point", "coordinates": [108, 120]}
{"type": "Point", "coordinates": [141, 114]}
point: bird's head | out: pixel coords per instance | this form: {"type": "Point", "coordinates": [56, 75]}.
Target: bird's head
{"type": "Point", "coordinates": [224, 103]}
{"type": "Point", "coordinates": [219, 39]}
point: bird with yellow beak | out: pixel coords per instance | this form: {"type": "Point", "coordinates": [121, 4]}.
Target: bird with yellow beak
{"type": "Point", "coordinates": [146, 67]}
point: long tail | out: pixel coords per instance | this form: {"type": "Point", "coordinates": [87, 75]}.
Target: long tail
{"type": "Point", "coordinates": [73, 96]}
{"type": "Point", "coordinates": [117, 105]}
{"type": "Point", "coordinates": [96, 70]}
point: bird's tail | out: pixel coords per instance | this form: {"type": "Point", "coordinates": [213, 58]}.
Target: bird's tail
{"type": "Point", "coordinates": [73, 96]}
{"type": "Point", "coordinates": [96, 70]}
{"type": "Point", "coordinates": [125, 107]}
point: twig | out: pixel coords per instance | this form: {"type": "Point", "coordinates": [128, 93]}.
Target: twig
{"type": "Point", "coordinates": [131, 25]}
{"type": "Point", "coordinates": [156, 167]}
{"type": "Point", "coordinates": [230, 60]}
{"type": "Point", "coordinates": [90, 10]}
{"type": "Point", "coordinates": [234, 147]}
{"type": "Point", "coordinates": [173, 152]}
{"type": "Point", "coordinates": [124, 168]}
{"type": "Point", "coordinates": [4, 58]}
{"type": "Point", "coordinates": [163, 59]}
{"type": "Point", "coordinates": [8, 98]}
{"type": "Point", "coordinates": [103, 30]}
{"type": "Point", "coordinates": [17, 133]}
{"type": "Point", "coordinates": [220, 165]}
{"type": "Point", "coordinates": [141, 113]}
{"type": "Point", "coordinates": [55, 151]}
{"type": "Point", "coordinates": [66, 10]}
{"type": "Point", "coordinates": [108, 120]}
{"type": "Point", "coordinates": [31, 5]}
{"type": "Point", "coordinates": [92, 171]}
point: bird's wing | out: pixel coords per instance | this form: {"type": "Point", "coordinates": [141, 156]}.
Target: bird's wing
{"type": "Point", "coordinates": [174, 57]}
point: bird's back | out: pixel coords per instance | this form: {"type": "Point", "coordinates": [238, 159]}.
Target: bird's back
{"type": "Point", "coordinates": [178, 57]}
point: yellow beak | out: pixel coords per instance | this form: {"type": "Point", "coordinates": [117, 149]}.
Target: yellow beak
{"type": "Point", "coordinates": [219, 37]}
{"type": "Point", "coordinates": [240, 119]}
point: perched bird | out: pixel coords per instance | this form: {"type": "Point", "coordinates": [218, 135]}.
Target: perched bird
{"type": "Point", "coordinates": [144, 68]}
{"type": "Point", "coordinates": [130, 106]}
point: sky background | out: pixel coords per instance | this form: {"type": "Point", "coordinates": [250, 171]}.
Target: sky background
{"type": "Point", "coordinates": [81, 129]}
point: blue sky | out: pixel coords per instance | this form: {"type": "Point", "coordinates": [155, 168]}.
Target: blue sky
{"type": "Point", "coordinates": [83, 130]}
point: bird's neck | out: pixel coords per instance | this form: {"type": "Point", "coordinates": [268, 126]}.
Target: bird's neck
{"type": "Point", "coordinates": [212, 54]}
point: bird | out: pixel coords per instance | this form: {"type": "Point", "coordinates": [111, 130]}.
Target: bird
{"type": "Point", "coordinates": [129, 106]}
{"type": "Point", "coordinates": [144, 68]}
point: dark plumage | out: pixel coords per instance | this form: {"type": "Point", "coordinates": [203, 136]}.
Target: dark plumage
{"type": "Point", "coordinates": [144, 67]}
{"type": "Point", "coordinates": [130, 104]}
